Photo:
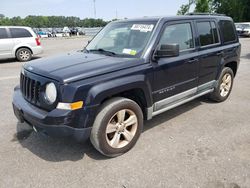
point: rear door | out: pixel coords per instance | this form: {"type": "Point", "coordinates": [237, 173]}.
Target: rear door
{"type": "Point", "coordinates": [209, 51]}
{"type": "Point", "coordinates": [22, 36]}
{"type": "Point", "coordinates": [6, 44]}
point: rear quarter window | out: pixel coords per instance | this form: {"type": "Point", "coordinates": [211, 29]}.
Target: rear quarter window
{"type": "Point", "coordinates": [20, 33]}
{"type": "Point", "coordinates": [228, 31]}
{"type": "Point", "coordinates": [3, 33]}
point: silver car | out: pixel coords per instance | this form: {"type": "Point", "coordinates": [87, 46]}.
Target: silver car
{"type": "Point", "coordinates": [19, 42]}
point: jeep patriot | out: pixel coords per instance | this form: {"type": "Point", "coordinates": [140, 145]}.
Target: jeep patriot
{"type": "Point", "coordinates": [131, 71]}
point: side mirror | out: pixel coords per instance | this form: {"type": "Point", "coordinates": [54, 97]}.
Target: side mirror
{"type": "Point", "coordinates": [167, 50]}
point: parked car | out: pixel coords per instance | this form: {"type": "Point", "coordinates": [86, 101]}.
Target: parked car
{"type": "Point", "coordinates": [73, 31]}
{"type": "Point", "coordinates": [19, 42]}
{"type": "Point", "coordinates": [132, 71]}
{"type": "Point", "coordinates": [243, 29]}
{"type": "Point", "coordinates": [81, 31]}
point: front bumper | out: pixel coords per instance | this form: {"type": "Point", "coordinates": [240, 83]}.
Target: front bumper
{"type": "Point", "coordinates": [55, 123]}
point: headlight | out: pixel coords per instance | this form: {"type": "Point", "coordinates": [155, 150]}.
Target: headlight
{"type": "Point", "coordinates": [22, 71]}
{"type": "Point", "coordinates": [50, 93]}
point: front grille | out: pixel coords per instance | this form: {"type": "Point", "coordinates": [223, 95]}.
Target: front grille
{"type": "Point", "coordinates": [30, 89]}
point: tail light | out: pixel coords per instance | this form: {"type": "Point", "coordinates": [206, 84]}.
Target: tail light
{"type": "Point", "coordinates": [38, 42]}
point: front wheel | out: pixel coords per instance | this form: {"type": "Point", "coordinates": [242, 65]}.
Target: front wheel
{"type": "Point", "coordinates": [117, 127]}
{"type": "Point", "coordinates": [224, 86]}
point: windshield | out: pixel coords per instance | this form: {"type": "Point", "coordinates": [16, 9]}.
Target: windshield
{"type": "Point", "coordinates": [243, 26]}
{"type": "Point", "coordinates": [127, 39]}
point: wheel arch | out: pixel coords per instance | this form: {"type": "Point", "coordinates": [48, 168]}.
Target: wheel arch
{"type": "Point", "coordinates": [233, 65]}
{"type": "Point", "coordinates": [27, 47]}
{"type": "Point", "coordinates": [135, 88]}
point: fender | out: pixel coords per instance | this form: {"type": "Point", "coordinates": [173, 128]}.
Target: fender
{"type": "Point", "coordinates": [231, 55]}
{"type": "Point", "coordinates": [102, 91]}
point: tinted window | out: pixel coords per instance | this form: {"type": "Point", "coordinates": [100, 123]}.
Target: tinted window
{"type": "Point", "coordinates": [19, 33]}
{"type": "Point", "coordinates": [178, 34]}
{"type": "Point", "coordinates": [228, 31]}
{"type": "Point", "coordinates": [205, 33]}
{"type": "Point", "coordinates": [3, 33]}
{"type": "Point", "coordinates": [215, 32]}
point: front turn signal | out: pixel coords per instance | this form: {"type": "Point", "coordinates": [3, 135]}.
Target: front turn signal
{"type": "Point", "coordinates": [70, 106]}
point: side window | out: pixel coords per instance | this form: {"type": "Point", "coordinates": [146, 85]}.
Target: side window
{"type": "Point", "coordinates": [228, 31]}
{"type": "Point", "coordinates": [205, 33]}
{"type": "Point", "coordinates": [215, 32]}
{"type": "Point", "coordinates": [208, 33]}
{"type": "Point", "coordinates": [178, 34]}
{"type": "Point", "coordinates": [3, 33]}
{"type": "Point", "coordinates": [19, 33]}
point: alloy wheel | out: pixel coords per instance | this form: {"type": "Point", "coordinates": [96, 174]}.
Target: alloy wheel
{"type": "Point", "coordinates": [226, 84]}
{"type": "Point", "coordinates": [121, 128]}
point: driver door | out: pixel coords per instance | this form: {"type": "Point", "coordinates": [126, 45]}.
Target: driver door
{"type": "Point", "coordinates": [176, 77]}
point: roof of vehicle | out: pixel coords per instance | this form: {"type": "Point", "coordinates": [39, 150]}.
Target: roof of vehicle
{"type": "Point", "coordinates": [247, 23]}
{"type": "Point", "coordinates": [185, 17]}
{"type": "Point", "coordinates": [23, 27]}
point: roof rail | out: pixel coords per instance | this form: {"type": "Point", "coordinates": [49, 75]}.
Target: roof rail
{"type": "Point", "coordinates": [204, 14]}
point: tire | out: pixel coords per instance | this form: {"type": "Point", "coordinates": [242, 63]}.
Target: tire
{"type": "Point", "coordinates": [23, 54]}
{"type": "Point", "coordinates": [224, 86]}
{"type": "Point", "coordinates": [113, 137]}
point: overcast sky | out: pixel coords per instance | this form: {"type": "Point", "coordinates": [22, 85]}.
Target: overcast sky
{"type": "Point", "coordinates": [106, 9]}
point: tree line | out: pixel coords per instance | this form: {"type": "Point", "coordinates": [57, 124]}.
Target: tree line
{"type": "Point", "coordinates": [239, 10]}
{"type": "Point", "coordinates": [51, 21]}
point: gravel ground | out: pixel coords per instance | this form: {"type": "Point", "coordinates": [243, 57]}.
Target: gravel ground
{"type": "Point", "coordinates": [199, 144]}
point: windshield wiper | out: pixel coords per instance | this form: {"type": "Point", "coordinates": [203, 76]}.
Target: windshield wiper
{"type": "Point", "coordinates": [102, 51]}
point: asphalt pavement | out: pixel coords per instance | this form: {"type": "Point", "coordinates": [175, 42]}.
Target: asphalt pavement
{"type": "Point", "coordinates": [199, 144]}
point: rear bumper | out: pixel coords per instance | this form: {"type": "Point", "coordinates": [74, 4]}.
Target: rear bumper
{"type": "Point", "coordinates": [37, 50]}
{"type": "Point", "coordinates": [54, 123]}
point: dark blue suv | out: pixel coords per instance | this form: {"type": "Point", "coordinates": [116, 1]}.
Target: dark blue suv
{"type": "Point", "coordinates": [131, 71]}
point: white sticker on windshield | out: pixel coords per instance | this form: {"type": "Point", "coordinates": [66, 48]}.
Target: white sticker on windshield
{"type": "Point", "coordinates": [142, 27]}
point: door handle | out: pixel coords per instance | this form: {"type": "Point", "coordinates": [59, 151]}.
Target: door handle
{"type": "Point", "coordinates": [192, 60]}
{"type": "Point", "coordinates": [220, 53]}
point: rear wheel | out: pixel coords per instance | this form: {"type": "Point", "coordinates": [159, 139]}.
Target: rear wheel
{"type": "Point", "coordinates": [23, 54]}
{"type": "Point", "coordinates": [224, 86]}
{"type": "Point", "coordinates": [117, 127]}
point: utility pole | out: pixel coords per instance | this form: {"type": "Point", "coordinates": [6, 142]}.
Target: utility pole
{"type": "Point", "coordinates": [190, 3]}
{"type": "Point", "coordinates": [94, 9]}
{"type": "Point", "coordinates": [116, 14]}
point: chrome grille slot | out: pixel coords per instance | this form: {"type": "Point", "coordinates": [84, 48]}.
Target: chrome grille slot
{"type": "Point", "coordinates": [30, 89]}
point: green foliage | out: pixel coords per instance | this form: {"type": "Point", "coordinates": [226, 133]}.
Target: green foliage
{"type": "Point", "coordinates": [52, 21]}
{"type": "Point", "coordinates": [239, 10]}
{"type": "Point", "coordinates": [184, 9]}
{"type": "Point", "coordinates": [202, 6]}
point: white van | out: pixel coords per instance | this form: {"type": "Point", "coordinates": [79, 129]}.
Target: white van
{"type": "Point", "coordinates": [19, 42]}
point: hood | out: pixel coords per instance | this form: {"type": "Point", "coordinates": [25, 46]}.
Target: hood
{"type": "Point", "coordinates": [78, 65]}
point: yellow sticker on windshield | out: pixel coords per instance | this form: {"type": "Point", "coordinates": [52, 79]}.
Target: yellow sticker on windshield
{"type": "Point", "coordinates": [132, 52]}
{"type": "Point", "coordinates": [129, 51]}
